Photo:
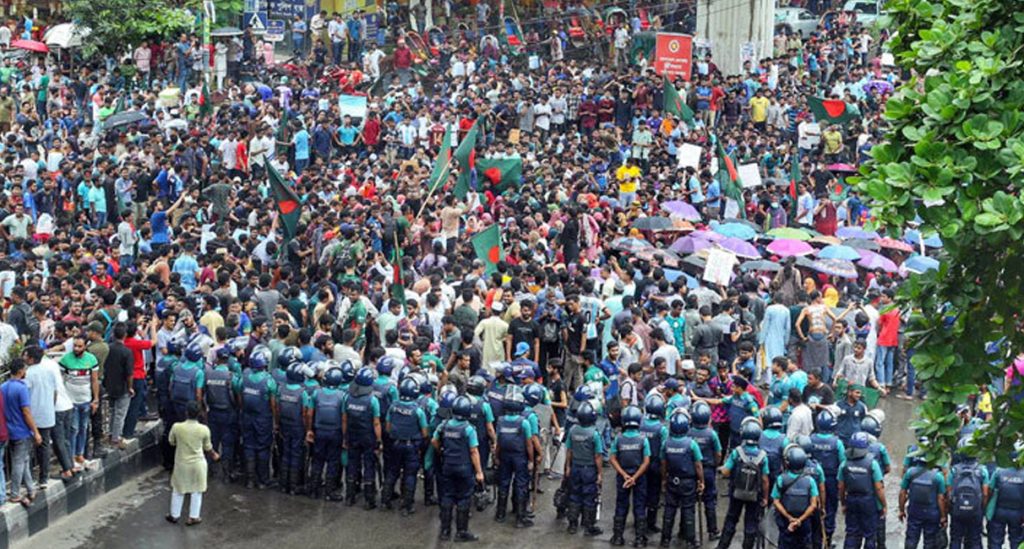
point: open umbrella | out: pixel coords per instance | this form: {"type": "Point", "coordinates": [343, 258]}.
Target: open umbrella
{"type": "Point", "coordinates": [65, 35]}
{"type": "Point", "coordinates": [735, 230]}
{"type": "Point", "coordinates": [873, 261]}
{"type": "Point", "coordinates": [893, 244]}
{"type": "Point", "coordinates": [786, 247]}
{"type": "Point", "coordinates": [671, 275]}
{"type": "Point", "coordinates": [835, 267]}
{"type": "Point", "coordinates": [624, 244]}
{"type": "Point", "coordinates": [123, 119]}
{"type": "Point", "coordinates": [710, 236]}
{"type": "Point", "coordinates": [791, 233]}
{"type": "Point", "coordinates": [920, 264]}
{"type": "Point", "coordinates": [741, 248]}
{"type": "Point", "coordinates": [690, 244]}
{"type": "Point", "coordinates": [760, 265]}
{"type": "Point", "coordinates": [681, 209]}
{"type": "Point", "coordinates": [861, 244]}
{"type": "Point", "coordinates": [804, 262]}
{"type": "Point", "coordinates": [652, 223]}
{"type": "Point", "coordinates": [695, 260]}
{"type": "Point", "coordinates": [855, 232]}
{"type": "Point", "coordinates": [913, 236]}
{"type": "Point", "coordinates": [842, 168]}
{"type": "Point", "coordinates": [30, 45]}
{"type": "Point", "coordinates": [838, 251]}
{"type": "Point", "coordinates": [666, 256]}
{"type": "Point", "coordinates": [823, 239]}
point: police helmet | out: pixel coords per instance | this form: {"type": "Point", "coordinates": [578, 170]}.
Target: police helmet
{"type": "Point", "coordinates": [194, 352]}
{"type": "Point", "coordinates": [447, 398]}
{"type": "Point", "coordinates": [771, 417]}
{"type": "Point", "coordinates": [260, 358]}
{"type": "Point", "coordinates": [859, 443]}
{"type": "Point", "coordinates": [385, 365]}
{"type": "Point", "coordinates": [679, 422]}
{"type": "Point", "coordinates": [586, 414]}
{"type": "Point", "coordinates": [871, 426]}
{"type": "Point", "coordinates": [348, 372]}
{"type": "Point", "coordinates": [175, 346]}
{"type": "Point", "coordinates": [631, 417]}
{"type": "Point", "coordinates": [804, 442]}
{"type": "Point", "coordinates": [288, 356]}
{"type": "Point", "coordinates": [582, 394]}
{"type": "Point", "coordinates": [825, 422]}
{"type": "Point", "coordinates": [294, 374]}
{"type": "Point", "coordinates": [796, 458]}
{"type": "Point", "coordinates": [654, 405]}
{"type": "Point", "coordinates": [533, 394]}
{"type": "Point", "coordinates": [408, 389]}
{"type": "Point", "coordinates": [364, 377]}
{"type": "Point", "coordinates": [750, 430]}
{"type": "Point", "coordinates": [462, 408]}
{"type": "Point", "coordinates": [224, 352]}
{"type": "Point", "coordinates": [428, 383]}
{"type": "Point", "coordinates": [476, 385]}
{"type": "Point", "coordinates": [513, 400]}
{"type": "Point", "coordinates": [507, 371]}
{"type": "Point", "coordinates": [700, 412]}
{"type": "Point", "coordinates": [334, 377]}
{"type": "Point", "coordinates": [404, 372]}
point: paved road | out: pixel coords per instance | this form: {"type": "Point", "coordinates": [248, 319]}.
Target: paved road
{"type": "Point", "coordinates": [131, 517]}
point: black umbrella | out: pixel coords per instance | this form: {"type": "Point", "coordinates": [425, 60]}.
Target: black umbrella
{"type": "Point", "coordinates": [123, 119]}
{"type": "Point", "coordinates": [760, 265]}
{"type": "Point", "coordinates": [695, 260]}
{"type": "Point", "coordinates": [863, 244]}
{"type": "Point", "coordinates": [652, 223]}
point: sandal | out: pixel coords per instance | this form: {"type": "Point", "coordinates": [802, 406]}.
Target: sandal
{"type": "Point", "coordinates": [193, 521]}
{"type": "Point", "coordinates": [26, 501]}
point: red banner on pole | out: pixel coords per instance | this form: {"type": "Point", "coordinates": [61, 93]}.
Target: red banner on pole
{"type": "Point", "coordinates": [673, 54]}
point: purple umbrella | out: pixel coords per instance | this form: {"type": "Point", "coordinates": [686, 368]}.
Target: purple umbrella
{"type": "Point", "coordinates": [690, 244]}
{"type": "Point", "coordinates": [856, 232]}
{"type": "Point", "coordinates": [878, 87]}
{"type": "Point", "coordinates": [786, 247]}
{"type": "Point", "coordinates": [680, 209]}
{"type": "Point", "coordinates": [710, 236]}
{"type": "Point", "coordinates": [835, 267]}
{"type": "Point", "coordinates": [740, 247]}
{"type": "Point", "coordinates": [873, 261]}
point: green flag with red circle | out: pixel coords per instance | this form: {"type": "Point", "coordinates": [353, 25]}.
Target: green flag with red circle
{"type": "Point", "coordinates": [499, 174]}
{"type": "Point", "coordinates": [487, 245]}
{"type": "Point", "coordinates": [674, 103]}
{"type": "Point", "coordinates": [289, 207]}
{"type": "Point", "coordinates": [831, 111]}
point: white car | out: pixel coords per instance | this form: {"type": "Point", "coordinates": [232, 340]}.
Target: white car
{"type": "Point", "coordinates": [797, 20]}
{"type": "Point", "coordinates": [868, 11]}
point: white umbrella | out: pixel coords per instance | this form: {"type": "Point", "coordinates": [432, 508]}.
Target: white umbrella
{"type": "Point", "coordinates": [65, 35]}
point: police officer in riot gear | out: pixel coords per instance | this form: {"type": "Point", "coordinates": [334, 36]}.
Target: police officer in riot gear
{"type": "Point", "coordinates": [514, 457]}
{"type": "Point", "coordinates": [223, 400]}
{"type": "Point", "coordinates": [923, 503]}
{"type": "Point", "coordinates": [291, 411]}
{"type": "Point", "coordinates": [324, 432]}
{"type": "Point", "coordinates": [795, 496]}
{"type": "Point", "coordinates": [747, 471]}
{"type": "Point", "coordinates": [1007, 518]}
{"type": "Point", "coordinates": [711, 454]}
{"type": "Point", "coordinates": [682, 470]}
{"type": "Point", "coordinates": [259, 418]}
{"type": "Point", "coordinates": [456, 442]}
{"type": "Point", "coordinates": [407, 428]}
{"type": "Point", "coordinates": [630, 457]}
{"type": "Point", "coordinates": [187, 380]}
{"type": "Point", "coordinates": [583, 462]}
{"type": "Point", "coordinates": [828, 451]}
{"type": "Point", "coordinates": [654, 430]}
{"type": "Point", "coordinates": [361, 436]}
{"type": "Point", "coordinates": [861, 493]}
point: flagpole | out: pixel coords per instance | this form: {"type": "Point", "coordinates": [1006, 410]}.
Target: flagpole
{"type": "Point", "coordinates": [430, 193]}
{"type": "Point", "coordinates": [398, 264]}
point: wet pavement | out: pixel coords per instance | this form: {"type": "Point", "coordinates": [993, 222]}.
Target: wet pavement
{"type": "Point", "coordinates": [131, 517]}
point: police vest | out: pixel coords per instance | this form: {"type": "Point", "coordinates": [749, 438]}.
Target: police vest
{"type": "Point", "coordinates": [455, 446]}
{"type": "Point", "coordinates": [1010, 493]}
{"type": "Point", "coordinates": [773, 447]}
{"type": "Point", "coordinates": [825, 450]}
{"type": "Point", "coordinates": [477, 418]}
{"type": "Point", "coordinates": [652, 430]}
{"type": "Point", "coordinates": [327, 413]}
{"type": "Point", "coordinates": [737, 413]}
{"type": "Point", "coordinates": [405, 423]}
{"type": "Point", "coordinates": [254, 395]}
{"type": "Point", "coordinates": [511, 436]}
{"type": "Point", "coordinates": [496, 398]}
{"type": "Point", "coordinates": [279, 376]}
{"type": "Point", "coordinates": [382, 390]}
{"type": "Point", "coordinates": [423, 401]}
{"type": "Point", "coordinates": [183, 384]}
{"type": "Point", "coordinates": [796, 495]}
{"type": "Point", "coordinates": [310, 386]}
{"type": "Point", "coordinates": [360, 415]}
{"type": "Point", "coordinates": [167, 362]}
{"type": "Point", "coordinates": [848, 421]}
{"type": "Point", "coordinates": [218, 389]}
{"type": "Point", "coordinates": [705, 438]}
{"type": "Point", "coordinates": [290, 406]}
{"type": "Point", "coordinates": [583, 447]}
{"type": "Point", "coordinates": [857, 476]}
{"type": "Point", "coordinates": [629, 449]}
{"type": "Point", "coordinates": [679, 458]}
{"type": "Point", "coordinates": [923, 490]}
{"type": "Point", "coordinates": [875, 451]}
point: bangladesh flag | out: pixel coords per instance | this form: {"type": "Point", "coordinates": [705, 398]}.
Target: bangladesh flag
{"type": "Point", "coordinates": [288, 205]}
{"type": "Point", "coordinates": [832, 111]}
{"type": "Point", "coordinates": [674, 103]}
{"type": "Point", "coordinates": [487, 245]}
{"type": "Point", "coordinates": [398, 279]}
{"type": "Point", "coordinates": [794, 181]}
{"type": "Point", "coordinates": [282, 137]}
{"type": "Point", "coordinates": [729, 178]}
{"type": "Point", "coordinates": [205, 105]}
{"type": "Point", "coordinates": [119, 106]}
{"type": "Point", "coordinates": [465, 154]}
{"type": "Point", "coordinates": [502, 173]}
{"type": "Point", "coordinates": [442, 163]}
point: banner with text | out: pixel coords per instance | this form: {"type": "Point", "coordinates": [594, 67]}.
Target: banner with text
{"type": "Point", "coordinates": [673, 54]}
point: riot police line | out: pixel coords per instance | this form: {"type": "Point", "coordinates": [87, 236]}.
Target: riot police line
{"type": "Point", "coordinates": [331, 431]}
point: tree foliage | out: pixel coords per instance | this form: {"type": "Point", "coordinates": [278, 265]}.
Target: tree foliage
{"type": "Point", "coordinates": [954, 157]}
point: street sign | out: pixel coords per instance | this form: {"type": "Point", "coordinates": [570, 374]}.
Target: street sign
{"type": "Point", "coordinates": [275, 31]}
{"type": "Point", "coordinates": [256, 21]}
{"type": "Point", "coordinates": [252, 6]}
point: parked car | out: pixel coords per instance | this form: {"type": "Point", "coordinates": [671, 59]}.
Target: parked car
{"type": "Point", "coordinates": [868, 11]}
{"type": "Point", "coordinates": [798, 20]}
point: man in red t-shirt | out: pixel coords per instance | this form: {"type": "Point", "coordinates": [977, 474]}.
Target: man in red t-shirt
{"type": "Point", "coordinates": [888, 338]}
{"type": "Point", "coordinates": [371, 132]}
{"type": "Point", "coordinates": [137, 343]}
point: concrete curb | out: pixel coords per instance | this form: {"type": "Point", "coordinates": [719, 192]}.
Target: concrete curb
{"type": "Point", "coordinates": [61, 499]}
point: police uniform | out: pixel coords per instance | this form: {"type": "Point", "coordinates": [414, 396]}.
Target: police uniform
{"type": "Point", "coordinates": [515, 435]}
{"type": "Point", "coordinates": [751, 510]}
{"type": "Point", "coordinates": [386, 393]}
{"type": "Point", "coordinates": [966, 515]}
{"type": "Point", "coordinates": [630, 449]}
{"type": "Point", "coordinates": [738, 408]}
{"type": "Point", "coordinates": [222, 390]}
{"type": "Point", "coordinates": [924, 486]}
{"type": "Point", "coordinates": [406, 426]}
{"type": "Point", "coordinates": [679, 458]}
{"type": "Point", "coordinates": [456, 439]}
{"type": "Point", "coordinates": [359, 412]}
{"type": "Point", "coordinates": [259, 391]}
{"type": "Point", "coordinates": [480, 417]}
{"type": "Point", "coordinates": [291, 404]}
{"type": "Point", "coordinates": [186, 378]}
{"type": "Point", "coordinates": [830, 453]}
{"type": "Point", "coordinates": [859, 476]}
{"type": "Point", "coordinates": [814, 470]}
{"type": "Point", "coordinates": [428, 404]}
{"type": "Point", "coordinates": [1006, 513]}
{"type": "Point", "coordinates": [585, 444]}
{"type": "Point", "coordinates": [773, 442]}
{"type": "Point", "coordinates": [880, 453]}
{"type": "Point", "coordinates": [165, 408]}
{"type": "Point", "coordinates": [795, 492]}
{"type": "Point", "coordinates": [849, 419]}
{"type": "Point", "coordinates": [655, 431]}
{"type": "Point", "coordinates": [326, 405]}
{"type": "Point", "coordinates": [710, 446]}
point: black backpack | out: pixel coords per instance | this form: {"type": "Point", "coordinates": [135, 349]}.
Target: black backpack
{"type": "Point", "coordinates": [747, 484]}
{"type": "Point", "coordinates": [966, 500]}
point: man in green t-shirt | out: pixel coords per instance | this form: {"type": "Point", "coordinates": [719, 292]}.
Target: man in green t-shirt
{"type": "Point", "coordinates": [80, 370]}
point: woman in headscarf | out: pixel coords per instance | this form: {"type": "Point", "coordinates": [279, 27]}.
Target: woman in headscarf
{"type": "Point", "coordinates": [831, 296]}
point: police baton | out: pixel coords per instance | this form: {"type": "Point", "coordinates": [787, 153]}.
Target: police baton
{"type": "Point", "coordinates": [700, 522]}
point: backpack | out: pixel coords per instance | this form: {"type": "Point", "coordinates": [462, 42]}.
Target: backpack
{"type": "Point", "coordinates": [966, 500]}
{"type": "Point", "coordinates": [747, 484]}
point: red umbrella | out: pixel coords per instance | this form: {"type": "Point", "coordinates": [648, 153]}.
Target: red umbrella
{"type": "Point", "coordinates": [30, 45]}
{"type": "Point", "coordinates": [894, 244]}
